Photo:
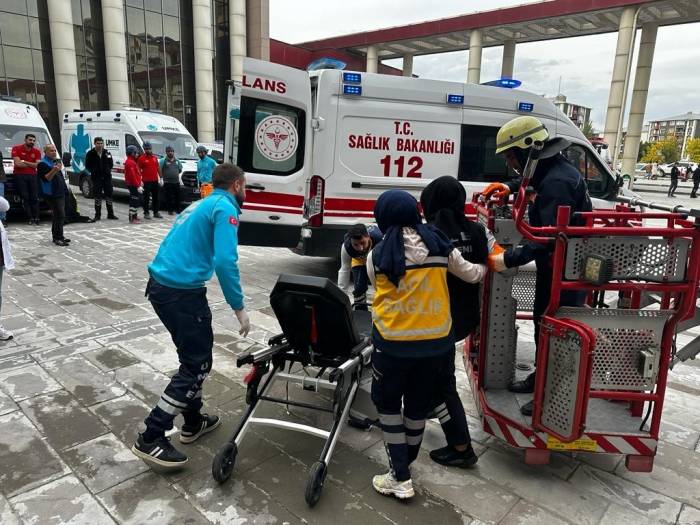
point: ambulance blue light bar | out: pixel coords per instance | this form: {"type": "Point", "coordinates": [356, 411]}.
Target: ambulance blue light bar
{"type": "Point", "coordinates": [508, 83]}
{"type": "Point", "coordinates": [352, 90]}
{"type": "Point", "coordinates": [455, 99]}
{"type": "Point", "coordinates": [352, 78]}
{"type": "Point", "coordinates": [526, 107]}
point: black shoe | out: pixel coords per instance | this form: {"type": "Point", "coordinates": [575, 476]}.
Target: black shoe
{"type": "Point", "coordinates": [171, 212]}
{"type": "Point", "coordinates": [190, 434]}
{"type": "Point", "coordinates": [451, 457]}
{"type": "Point", "coordinates": [31, 222]}
{"type": "Point", "coordinates": [157, 216]}
{"type": "Point", "coordinates": [112, 217]}
{"type": "Point", "coordinates": [160, 452]}
{"type": "Point", "coordinates": [147, 216]}
{"type": "Point", "coordinates": [60, 242]}
{"type": "Point", "coordinates": [65, 239]}
{"type": "Point", "coordinates": [526, 386]}
{"type": "Point", "coordinates": [526, 409]}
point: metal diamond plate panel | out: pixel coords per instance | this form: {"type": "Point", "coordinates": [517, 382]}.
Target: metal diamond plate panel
{"type": "Point", "coordinates": [634, 258]}
{"type": "Point", "coordinates": [559, 403]}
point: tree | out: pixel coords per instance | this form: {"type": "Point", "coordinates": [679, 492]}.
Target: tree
{"type": "Point", "coordinates": [587, 129]}
{"type": "Point", "coordinates": [662, 151]}
{"type": "Point", "coordinates": [643, 148]}
{"type": "Point", "coordinates": [692, 149]}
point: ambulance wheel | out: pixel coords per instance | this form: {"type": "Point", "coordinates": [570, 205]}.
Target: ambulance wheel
{"type": "Point", "coordinates": [86, 187]}
{"type": "Point", "coordinates": [315, 484]}
{"type": "Point", "coordinates": [224, 461]}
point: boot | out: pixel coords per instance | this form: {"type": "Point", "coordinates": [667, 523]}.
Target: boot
{"type": "Point", "coordinates": [110, 212]}
{"type": "Point", "coordinates": [98, 213]}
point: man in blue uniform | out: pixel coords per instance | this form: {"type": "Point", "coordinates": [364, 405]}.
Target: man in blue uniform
{"type": "Point", "coordinates": [557, 183]}
{"type": "Point", "coordinates": [203, 240]}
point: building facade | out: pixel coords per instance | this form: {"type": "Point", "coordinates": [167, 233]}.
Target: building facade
{"type": "Point", "coordinates": [681, 128]}
{"type": "Point", "coordinates": [578, 114]}
{"type": "Point", "coordinates": [61, 55]}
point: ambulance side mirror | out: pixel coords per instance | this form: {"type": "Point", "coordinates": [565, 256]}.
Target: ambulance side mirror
{"type": "Point", "coordinates": [66, 158]}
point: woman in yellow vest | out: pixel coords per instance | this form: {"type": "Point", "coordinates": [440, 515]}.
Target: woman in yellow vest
{"type": "Point", "coordinates": [412, 328]}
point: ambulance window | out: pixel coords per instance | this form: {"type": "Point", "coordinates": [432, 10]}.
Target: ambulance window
{"type": "Point", "coordinates": [132, 141]}
{"type": "Point", "coordinates": [477, 159]}
{"type": "Point", "coordinates": [597, 178]}
{"type": "Point", "coordinates": [271, 140]}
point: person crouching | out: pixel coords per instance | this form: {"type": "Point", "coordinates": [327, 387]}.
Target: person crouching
{"type": "Point", "coordinates": [411, 328]}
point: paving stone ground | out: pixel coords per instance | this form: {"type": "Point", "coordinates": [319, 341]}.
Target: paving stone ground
{"type": "Point", "coordinates": [90, 357]}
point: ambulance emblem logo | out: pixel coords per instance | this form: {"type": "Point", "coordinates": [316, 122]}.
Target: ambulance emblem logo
{"type": "Point", "coordinates": [276, 138]}
{"type": "Point", "coordinates": [15, 113]}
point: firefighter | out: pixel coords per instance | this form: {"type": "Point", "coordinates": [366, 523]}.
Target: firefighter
{"type": "Point", "coordinates": [556, 182]}
{"type": "Point", "coordinates": [358, 242]}
{"type": "Point", "coordinates": [443, 202]}
{"type": "Point", "coordinates": [411, 329]}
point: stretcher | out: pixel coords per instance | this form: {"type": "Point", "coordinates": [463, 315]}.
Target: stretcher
{"type": "Point", "coordinates": [601, 371]}
{"type": "Point", "coordinates": [324, 349]}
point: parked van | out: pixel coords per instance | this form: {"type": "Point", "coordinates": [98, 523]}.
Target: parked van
{"type": "Point", "coordinates": [123, 128]}
{"type": "Point", "coordinates": [319, 147]}
{"type": "Point", "coordinates": [16, 120]}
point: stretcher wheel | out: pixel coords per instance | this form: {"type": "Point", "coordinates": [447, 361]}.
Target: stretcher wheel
{"type": "Point", "coordinates": [315, 484]}
{"type": "Point", "coordinates": [224, 461]}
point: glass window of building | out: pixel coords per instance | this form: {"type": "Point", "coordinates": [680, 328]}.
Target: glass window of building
{"type": "Point", "coordinates": [26, 71]}
{"type": "Point", "coordinates": [89, 54]}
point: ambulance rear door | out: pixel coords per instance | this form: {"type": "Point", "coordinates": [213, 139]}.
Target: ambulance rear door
{"type": "Point", "coordinates": [268, 134]}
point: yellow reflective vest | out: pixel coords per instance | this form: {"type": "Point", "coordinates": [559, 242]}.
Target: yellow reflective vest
{"type": "Point", "coordinates": [413, 319]}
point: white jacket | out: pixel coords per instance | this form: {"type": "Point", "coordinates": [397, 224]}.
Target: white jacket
{"type": "Point", "coordinates": [6, 249]}
{"type": "Point", "coordinates": [416, 252]}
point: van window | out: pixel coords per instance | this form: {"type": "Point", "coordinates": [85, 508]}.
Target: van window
{"type": "Point", "coordinates": [599, 182]}
{"type": "Point", "coordinates": [132, 141]}
{"type": "Point", "coordinates": [478, 161]}
{"type": "Point", "coordinates": [271, 139]}
{"type": "Point", "coordinates": [13, 135]}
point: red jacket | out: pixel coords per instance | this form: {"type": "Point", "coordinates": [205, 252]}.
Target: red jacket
{"type": "Point", "coordinates": [132, 172]}
{"type": "Point", "coordinates": [29, 155]}
{"type": "Point", "coordinates": [149, 168]}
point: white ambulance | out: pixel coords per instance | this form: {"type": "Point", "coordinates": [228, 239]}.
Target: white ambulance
{"type": "Point", "coordinates": [16, 120]}
{"type": "Point", "coordinates": [318, 148]}
{"type": "Point", "coordinates": [123, 128]}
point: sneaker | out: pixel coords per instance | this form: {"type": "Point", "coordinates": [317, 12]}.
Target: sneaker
{"type": "Point", "coordinates": [191, 434]}
{"type": "Point", "coordinates": [386, 484]}
{"type": "Point", "coordinates": [157, 216]}
{"type": "Point", "coordinates": [5, 335]}
{"type": "Point", "coordinates": [160, 452]}
{"type": "Point", "coordinates": [146, 215]}
{"type": "Point", "coordinates": [451, 457]}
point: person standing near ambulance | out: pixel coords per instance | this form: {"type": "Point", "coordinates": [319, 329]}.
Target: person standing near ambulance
{"type": "Point", "coordinates": [26, 158]}
{"type": "Point", "coordinates": [202, 240]}
{"type": "Point", "coordinates": [170, 168]}
{"type": "Point", "coordinates": [99, 162]}
{"type": "Point", "coordinates": [205, 168]}
{"type": "Point", "coordinates": [557, 183]}
{"type": "Point", "coordinates": [148, 164]}
{"type": "Point", "coordinates": [134, 183]}
{"type": "Point", "coordinates": [411, 329]}
{"type": "Point", "coordinates": [353, 261]}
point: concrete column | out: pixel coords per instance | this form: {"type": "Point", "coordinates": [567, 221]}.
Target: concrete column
{"type": "Point", "coordinates": [203, 69]}
{"type": "Point", "coordinates": [115, 53]}
{"type": "Point", "coordinates": [508, 60]}
{"type": "Point", "coordinates": [63, 54]}
{"type": "Point", "coordinates": [620, 79]}
{"type": "Point", "coordinates": [639, 98]}
{"type": "Point", "coordinates": [258, 28]}
{"type": "Point", "coordinates": [408, 65]}
{"type": "Point", "coordinates": [237, 34]}
{"type": "Point", "coordinates": [372, 59]}
{"type": "Point", "coordinates": [474, 67]}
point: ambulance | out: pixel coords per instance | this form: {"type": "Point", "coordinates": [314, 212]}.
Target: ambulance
{"type": "Point", "coordinates": [123, 128]}
{"type": "Point", "coordinates": [319, 147]}
{"type": "Point", "coordinates": [16, 120]}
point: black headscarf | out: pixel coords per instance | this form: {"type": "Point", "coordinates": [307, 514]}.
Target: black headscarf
{"type": "Point", "coordinates": [443, 202]}
{"type": "Point", "coordinates": [393, 210]}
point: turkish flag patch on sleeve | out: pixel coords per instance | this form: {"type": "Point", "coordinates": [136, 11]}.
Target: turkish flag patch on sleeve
{"type": "Point", "coordinates": [233, 221]}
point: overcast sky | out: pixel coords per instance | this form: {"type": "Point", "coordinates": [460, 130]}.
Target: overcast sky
{"type": "Point", "coordinates": [584, 64]}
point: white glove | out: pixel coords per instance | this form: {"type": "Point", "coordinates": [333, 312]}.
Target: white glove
{"type": "Point", "coordinates": [140, 189]}
{"type": "Point", "coordinates": [160, 182]}
{"type": "Point", "coordinates": [242, 317]}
